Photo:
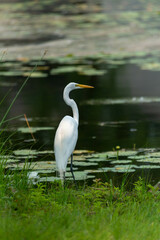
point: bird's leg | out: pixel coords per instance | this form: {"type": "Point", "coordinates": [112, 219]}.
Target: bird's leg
{"type": "Point", "coordinates": [71, 168]}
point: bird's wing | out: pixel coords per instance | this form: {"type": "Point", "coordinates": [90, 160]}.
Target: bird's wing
{"type": "Point", "coordinates": [65, 141]}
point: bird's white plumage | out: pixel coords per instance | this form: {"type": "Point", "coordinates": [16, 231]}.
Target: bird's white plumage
{"type": "Point", "coordinates": [67, 131]}
{"type": "Point", "coordinates": [65, 142]}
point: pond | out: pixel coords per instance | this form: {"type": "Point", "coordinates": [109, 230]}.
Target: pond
{"type": "Point", "coordinates": [122, 110]}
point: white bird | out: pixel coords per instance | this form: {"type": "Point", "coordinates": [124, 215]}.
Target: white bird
{"type": "Point", "coordinates": [67, 132]}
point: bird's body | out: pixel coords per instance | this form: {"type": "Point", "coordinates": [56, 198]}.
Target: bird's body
{"type": "Point", "coordinates": [65, 142]}
{"type": "Point", "coordinates": [67, 132]}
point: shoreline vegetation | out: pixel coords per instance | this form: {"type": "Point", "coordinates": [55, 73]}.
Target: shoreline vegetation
{"type": "Point", "coordinates": [103, 211]}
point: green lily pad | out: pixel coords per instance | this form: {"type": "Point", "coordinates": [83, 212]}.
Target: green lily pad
{"type": "Point", "coordinates": [35, 74]}
{"type": "Point", "coordinates": [121, 153]}
{"type": "Point", "coordinates": [107, 156]}
{"type": "Point", "coordinates": [98, 155]}
{"type": "Point", "coordinates": [123, 170]}
{"type": "Point", "coordinates": [78, 158]}
{"type": "Point", "coordinates": [28, 153]}
{"type": "Point", "coordinates": [48, 179]}
{"type": "Point", "coordinates": [5, 157]}
{"type": "Point", "coordinates": [154, 154]}
{"type": "Point", "coordinates": [84, 163]}
{"type": "Point", "coordinates": [11, 73]}
{"type": "Point", "coordinates": [33, 129]}
{"type": "Point", "coordinates": [25, 152]}
{"type": "Point", "coordinates": [136, 157]}
{"type": "Point", "coordinates": [98, 159]}
{"type": "Point", "coordinates": [155, 66]}
{"type": "Point", "coordinates": [91, 71]}
{"type": "Point", "coordinates": [65, 69]}
{"type": "Point", "coordinates": [120, 161]}
{"type": "Point", "coordinates": [26, 157]}
{"type": "Point", "coordinates": [44, 171]}
{"type": "Point", "coordinates": [12, 160]}
{"type": "Point", "coordinates": [74, 169]}
{"type": "Point", "coordinates": [150, 160]}
{"type": "Point", "coordinates": [45, 165]}
{"type": "Point", "coordinates": [45, 152]}
{"type": "Point", "coordinates": [81, 69]}
{"type": "Point", "coordinates": [149, 166]}
{"type": "Point", "coordinates": [134, 100]}
{"type": "Point", "coordinates": [83, 152]}
{"type": "Point", "coordinates": [119, 168]}
{"type": "Point", "coordinates": [79, 175]}
{"type": "Point", "coordinates": [93, 170]}
{"type": "Point", "coordinates": [125, 166]}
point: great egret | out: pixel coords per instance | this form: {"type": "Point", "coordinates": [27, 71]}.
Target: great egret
{"type": "Point", "coordinates": [67, 132]}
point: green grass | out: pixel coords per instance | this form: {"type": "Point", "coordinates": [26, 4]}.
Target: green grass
{"type": "Point", "coordinates": [101, 211]}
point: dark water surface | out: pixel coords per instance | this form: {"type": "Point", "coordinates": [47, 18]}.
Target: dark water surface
{"type": "Point", "coordinates": [130, 124]}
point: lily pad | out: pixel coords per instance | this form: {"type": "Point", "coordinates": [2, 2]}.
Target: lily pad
{"type": "Point", "coordinates": [121, 153]}
{"type": "Point", "coordinates": [65, 69]}
{"type": "Point", "coordinates": [107, 156]}
{"type": "Point", "coordinates": [151, 66]}
{"type": "Point", "coordinates": [25, 152]}
{"type": "Point", "coordinates": [123, 170]}
{"type": "Point", "coordinates": [43, 171]}
{"type": "Point", "coordinates": [33, 129]}
{"type": "Point", "coordinates": [149, 166]}
{"type": "Point", "coordinates": [81, 69]}
{"type": "Point", "coordinates": [84, 163]}
{"type": "Point", "coordinates": [137, 157]}
{"type": "Point", "coordinates": [5, 157]}
{"type": "Point", "coordinates": [98, 159]}
{"type": "Point", "coordinates": [133, 100]}
{"type": "Point", "coordinates": [150, 160]}
{"type": "Point", "coordinates": [120, 161]}
{"type": "Point", "coordinates": [45, 152]}
{"type": "Point", "coordinates": [154, 154]}
{"type": "Point", "coordinates": [83, 152]}
{"type": "Point", "coordinates": [35, 74]}
{"type": "Point", "coordinates": [11, 73]}
{"type": "Point", "coordinates": [79, 175]}
{"type": "Point", "coordinates": [78, 158]}
{"type": "Point", "coordinates": [125, 166]}
{"type": "Point", "coordinates": [48, 179]}
{"type": "Point", "coordinates": [120, 168]}
{"type": "Point", "coordinates": [28, 153]}
{"type": "Point", "coordinates": [26, 157]}
{"type": "Point", "coordinates": [91, 71]}
{"type": "Point", "coordinates": [12, 160]}
{"type": "Point", "coordinates": [35, 165]}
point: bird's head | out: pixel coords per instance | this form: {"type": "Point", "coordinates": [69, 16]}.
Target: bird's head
{"type": "Point", "coordinates": [73, 86]}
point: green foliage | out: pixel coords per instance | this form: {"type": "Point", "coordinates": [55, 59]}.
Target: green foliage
{"type": "Point", "coordinates": [48, 211]}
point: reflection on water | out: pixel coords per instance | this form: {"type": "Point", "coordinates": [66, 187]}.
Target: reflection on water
{"type": "Point", "coordinates": [102, 126]}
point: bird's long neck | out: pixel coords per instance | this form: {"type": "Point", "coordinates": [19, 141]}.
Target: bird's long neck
{"type": "Point", "coordinates": [71, 103]}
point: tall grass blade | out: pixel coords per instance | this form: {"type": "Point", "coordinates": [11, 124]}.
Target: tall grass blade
{"type": "Point", "coordinates": [19, 91]}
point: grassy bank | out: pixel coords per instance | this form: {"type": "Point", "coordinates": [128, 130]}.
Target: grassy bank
{"type": "Point", "coordinates": [101, 211]}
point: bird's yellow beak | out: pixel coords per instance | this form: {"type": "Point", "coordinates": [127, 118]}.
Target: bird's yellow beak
{"type": "Point", "coordinates": [83, 86]}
